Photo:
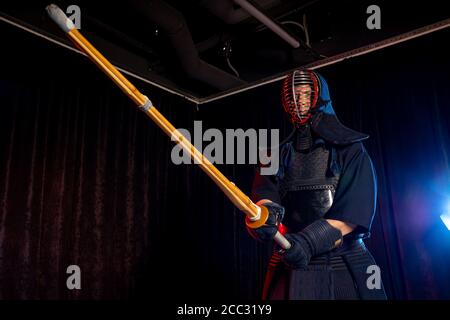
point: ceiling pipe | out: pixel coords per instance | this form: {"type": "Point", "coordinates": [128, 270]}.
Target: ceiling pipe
{"type": "Point", "coordinates": [225, 11]}
{"type": "Point", "coordinates": [269, 23]}
{"type": "Point", "coordinates": [173, 24]}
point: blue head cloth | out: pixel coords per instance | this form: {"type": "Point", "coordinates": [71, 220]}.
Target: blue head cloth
{"type": "Point", "coordinates": [325, 123]}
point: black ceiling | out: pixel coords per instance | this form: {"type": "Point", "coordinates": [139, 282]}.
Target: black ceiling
{"type": "Point", "coordinates": [242, 49]}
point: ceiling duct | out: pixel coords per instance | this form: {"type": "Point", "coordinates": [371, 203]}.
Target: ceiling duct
{"type": "Point", "coordinates": [173, 24]}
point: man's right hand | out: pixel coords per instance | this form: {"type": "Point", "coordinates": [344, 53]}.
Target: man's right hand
{"type": "Point", "coordinates": [269, 229]}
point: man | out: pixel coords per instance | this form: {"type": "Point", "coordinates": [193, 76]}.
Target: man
{"type": "Point", "coordinates": [325, 193]}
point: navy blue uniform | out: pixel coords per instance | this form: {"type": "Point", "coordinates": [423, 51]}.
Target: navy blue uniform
{"type": "Point", "coordinates": [333, 178]}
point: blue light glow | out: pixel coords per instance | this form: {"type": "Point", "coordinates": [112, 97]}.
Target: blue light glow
{"type": "Point", "coordinates": [446, 215]}
{"type": "Point", "coordinates": [446, 219]}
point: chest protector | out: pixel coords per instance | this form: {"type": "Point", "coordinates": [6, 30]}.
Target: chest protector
{"type": "Point", "coordinates": [307, 188]}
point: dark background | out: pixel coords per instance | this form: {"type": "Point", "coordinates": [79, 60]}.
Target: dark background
{"type": "Point", "coordinates": [87, 179]}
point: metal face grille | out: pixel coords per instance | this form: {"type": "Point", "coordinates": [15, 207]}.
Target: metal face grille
{"type": "Point", "coordinates": [299, 95]}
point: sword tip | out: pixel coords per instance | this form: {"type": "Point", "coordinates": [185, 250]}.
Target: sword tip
{"type": "Point", "coordinates": [59, 17]}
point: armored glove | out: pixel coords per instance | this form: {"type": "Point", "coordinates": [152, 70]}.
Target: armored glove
{"type": "Point", "coordinates": [267, 231]}
{"type": "Point", "coordinates": [317, 238]}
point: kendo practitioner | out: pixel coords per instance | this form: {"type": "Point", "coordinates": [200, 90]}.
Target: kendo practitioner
{"type": "Point", "coordinates": [324, 193]}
